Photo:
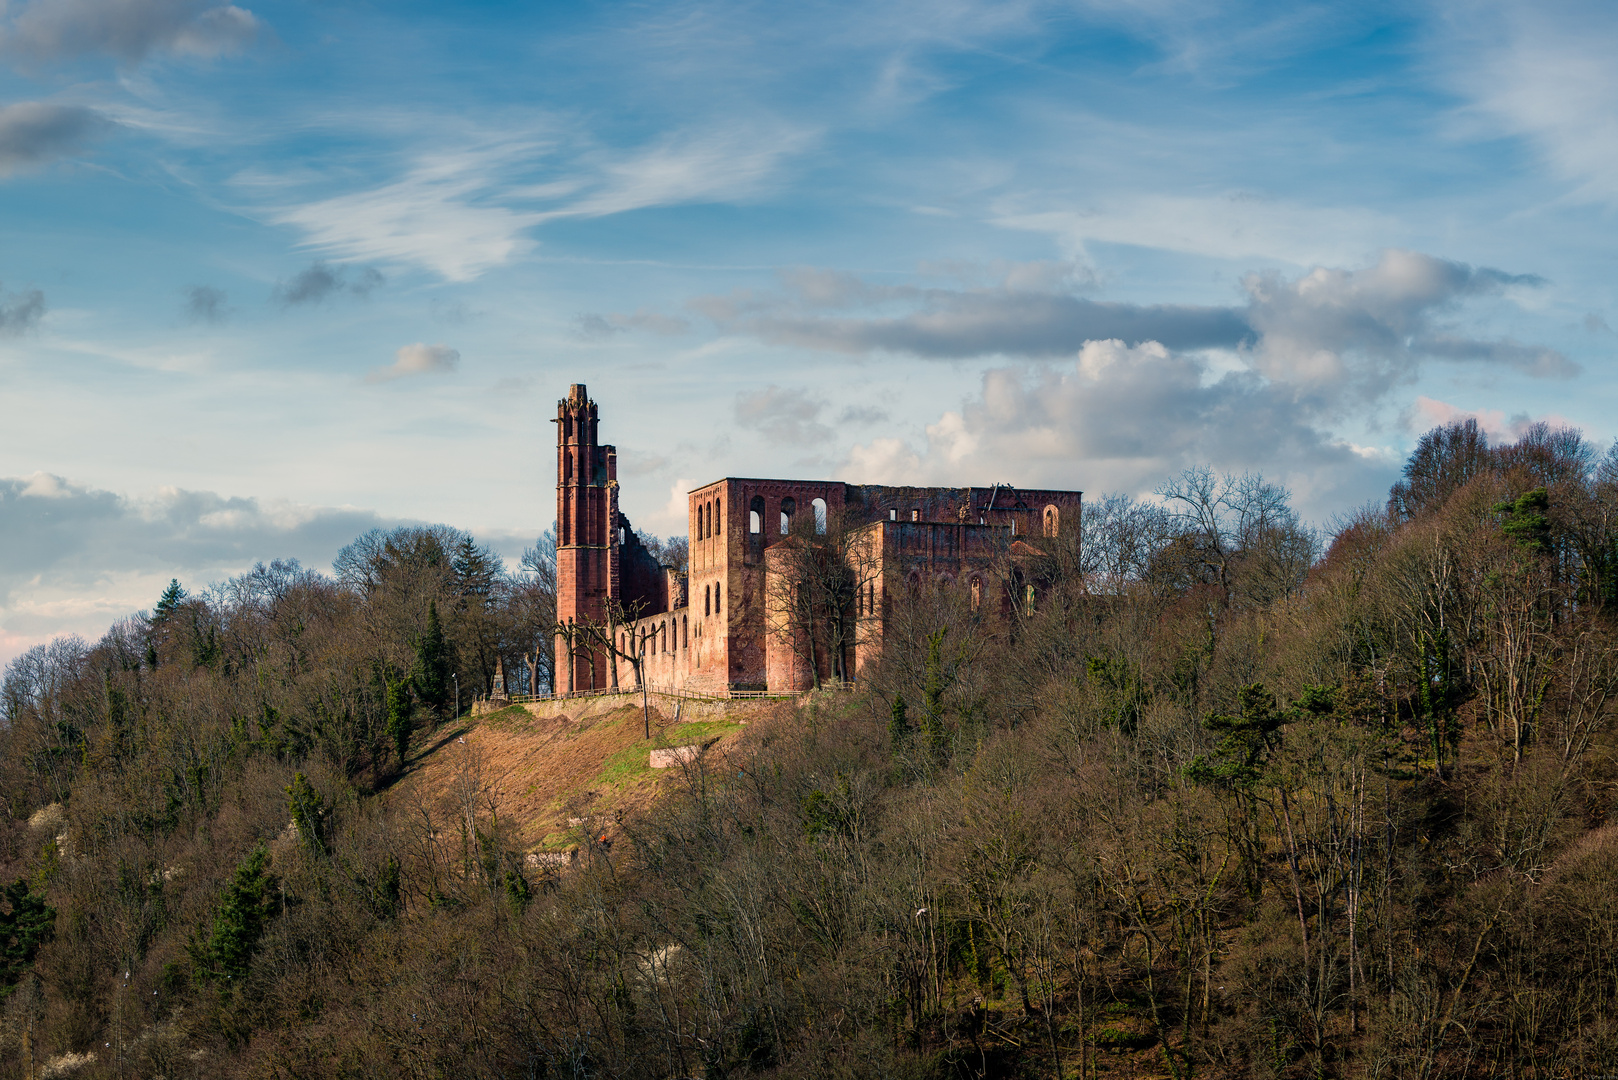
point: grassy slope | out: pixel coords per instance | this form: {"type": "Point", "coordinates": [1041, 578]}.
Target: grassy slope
{"type": "Point", "coordinates": [548, 773]}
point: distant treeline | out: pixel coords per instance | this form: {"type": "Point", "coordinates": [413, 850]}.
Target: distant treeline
{"type": "Point", "coordinates": [1221, 796]}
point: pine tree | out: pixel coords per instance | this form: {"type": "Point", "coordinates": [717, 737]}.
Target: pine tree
{"type": "Point", "coordinates": [238, 921]}
{"type": "Point", "coordinates": [171, 599]}
{"type": "Point", "coordinates": [432, 662]}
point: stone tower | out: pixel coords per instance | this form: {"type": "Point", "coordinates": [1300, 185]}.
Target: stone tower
{"type": "Point", "coordinates": [586, 537]}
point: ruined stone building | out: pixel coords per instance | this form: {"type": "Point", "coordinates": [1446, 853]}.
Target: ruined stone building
{"type": "Point", "coordinates": [728, 622]}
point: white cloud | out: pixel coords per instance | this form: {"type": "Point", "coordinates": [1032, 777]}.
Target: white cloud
{"type": "Point", "coordinates": [1124, 417]}
{"type": "Point", "coordinates": [437, 217]}
{"type": "Point", "coordinates": [417, 359]}
{"type": "Point", "coordinates": [73, 558]}
{"type": "Point", "coordinates": [1543, 72]}
{"type": "Point", "coordinates": [1234, 225]}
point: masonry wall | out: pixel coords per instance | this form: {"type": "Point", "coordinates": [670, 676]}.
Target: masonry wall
{"type": "Point", "coordinates": [709, 631]}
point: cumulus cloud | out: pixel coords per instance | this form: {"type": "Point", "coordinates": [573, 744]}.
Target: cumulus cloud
{"type": "Point", "coordinates": [34, 133]}
{"type": "Point", "coordinates": [20, 312]}
{"type": "Point", "coordinates": [1122, 417]}
{"type": "Point", "coordinates": [598, 327]}
{"type": "Point", "coordinates": [783, 415]}
{"type": "Point", "coordinates": [1326, 333]}
{"type": "Point", "coordinates": [1333, 332]}
{"type": "Point", "coordinates": [417, 359]}
{"type": "Point", "coordinates": [128, 30]}
{"type": "Point", "coordinates": [322, 281]}
{"type": "Point", "coordinates": [74, 558]}
{"type": "Point", "coordinates": [205, 304]}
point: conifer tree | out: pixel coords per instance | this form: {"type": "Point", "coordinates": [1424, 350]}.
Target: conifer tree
{"type": "Point", "coordinates": [238, 921]}
{"type": "Point", "coordinates": [432, 661]}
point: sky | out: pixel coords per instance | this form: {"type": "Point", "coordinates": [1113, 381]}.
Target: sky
{"type": "Point", "coordinates": [276, 274]}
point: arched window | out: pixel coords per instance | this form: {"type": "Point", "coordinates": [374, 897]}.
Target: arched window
{"type": "Point", "coordinates": [977, 593]}
{"type": "Point", "coordinates": [1013, 524]}
{"type": "Point", "coordinates": [663, 637]}
{"type": "Point", "coordinates": [717, 606]}
{"type": "Point", "coordinates": [1052, 520]}
{"type": "Point", "coordinates": [685, 632]}
{"type": "Point", "coordinates": [755, 516]}
{"type": "Point", "coordinates": [789, 506]}
{"type": "Point", "coordinates": [718, 520]}
{"type": "Point", "coordinates": [870, 598]}
{"type": "Point", "coordinates": [820, 516]}
{"type": "Point", "coordinates": [705, 592]}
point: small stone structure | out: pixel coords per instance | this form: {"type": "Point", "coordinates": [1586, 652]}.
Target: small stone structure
{"type": "Point", "coordinates": [669, 757]}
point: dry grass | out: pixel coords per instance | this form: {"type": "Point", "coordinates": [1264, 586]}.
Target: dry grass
{"type": "Point", "coordinates": [544, 769]}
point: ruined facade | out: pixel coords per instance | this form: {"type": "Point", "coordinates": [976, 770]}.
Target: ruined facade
{"type": "Point", "coordinates": [734, 620]}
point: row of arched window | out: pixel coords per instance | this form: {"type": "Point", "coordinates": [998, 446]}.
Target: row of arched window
{"type": "Point", "coordinates": [757, 510]}
{"type": "Point", "coordinates": [670, 636]}
{"type": "Point", "coordinates": [710, 519]}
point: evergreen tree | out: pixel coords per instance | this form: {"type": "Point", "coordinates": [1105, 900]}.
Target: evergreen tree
{"type": "Point", "coordinates": [23, 929]}
{"type": "Point", "coordinates": [1245, 741]}
{"type": "Point", "coordinates": [1527, 520]}
{"type": "Point", "coordinates": [172, 597]}
{"type": "Point", "coordinates": [399, 720]}
{"type": "Point", "coordinates": [432, 662]}
{"type": "Point", "coordinates": [238, 921]}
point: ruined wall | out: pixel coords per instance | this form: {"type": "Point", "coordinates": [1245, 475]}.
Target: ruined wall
{"type": "Point", "coordinates": [709, 631]}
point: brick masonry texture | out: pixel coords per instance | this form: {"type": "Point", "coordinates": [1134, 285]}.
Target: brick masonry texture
{"type": "Point", "coordinates": [720, 626]}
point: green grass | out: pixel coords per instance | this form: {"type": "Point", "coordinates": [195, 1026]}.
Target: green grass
{"type": "Point", "coordinates": [631, 763]}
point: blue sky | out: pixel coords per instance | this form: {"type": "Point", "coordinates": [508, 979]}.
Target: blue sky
{"type": "Point", "coordinates": [272, 274]}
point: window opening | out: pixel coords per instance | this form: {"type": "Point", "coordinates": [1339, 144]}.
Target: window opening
{"type": "Point", "coordinates": [915, 515]}
{"type": "Point", "coordinates": [717, 607]}
{"type": "Point", "coordinates": [977, 592]}
{"type": "Point", "coordinates": [716, 524]}
{"type": "Point", "coordinates": [685, 632]}
{"type": "Point", "coordinates": [820, 516]}
{"type": "Point", "coordinates": [789, 506]}
{"type": "Point", "coordinates": [1052, 519]}
{"type": "Point", "coordinates": [706, 589]}
{"type": "Point", "coordinates": [893, 514]}
{"type": "Point", "coordinates": [755, 516]}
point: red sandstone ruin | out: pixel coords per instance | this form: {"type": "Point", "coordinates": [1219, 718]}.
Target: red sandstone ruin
{"type": "Point", "coordinates": [724, 625]}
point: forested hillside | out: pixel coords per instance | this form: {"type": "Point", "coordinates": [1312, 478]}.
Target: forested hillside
{"type": "Point", "coordinates": [1227, 798]}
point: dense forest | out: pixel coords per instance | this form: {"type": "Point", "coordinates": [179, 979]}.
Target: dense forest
{"type": "Point", "coordinates": [1221, 796]}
